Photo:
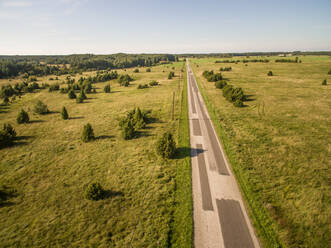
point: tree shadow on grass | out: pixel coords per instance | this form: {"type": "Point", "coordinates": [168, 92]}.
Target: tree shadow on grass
{"type": "Point", "coordinates": [76, 118]}
{"type": "Point", "coordinates": [35, 121]}
{"type": "Point", "coordinates": [53, 112]}
{"type": "Point", "coordinates": [6, 193]}
{"type": "Point", "coordinates": [24, 137]}
{"type": "Point", "coordinates": [142, 134]}
{"type": "Point", "coordinates": [112, 193]}
{"type": "Point", "coordinates": [249, 98]}
{"type": "Point", "coordinates": [183, 152]}
{"type": "Point", "coordinates": [4, 108]}
{"type": "Point", "coordinates": [102, 137]}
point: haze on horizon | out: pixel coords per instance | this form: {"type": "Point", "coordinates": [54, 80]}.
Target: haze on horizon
{"type": "Point", "coordinates": [155, 26]}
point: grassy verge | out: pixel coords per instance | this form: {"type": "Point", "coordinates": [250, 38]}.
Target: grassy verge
{"type": "Point", "coordinates": [263, 224]}
{"type": "Point", "coordinates": [278, 145]}
{"type": "Point", "coordinates": [183, 224]}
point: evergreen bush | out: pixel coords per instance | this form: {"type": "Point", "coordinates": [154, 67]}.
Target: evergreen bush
{"type": "Point", "coordinates": [94, 192]}
{"type": "Point", "coordinates": [88, 133]}
{"type": "Point", "coordinates": [166, 146]}
{"type": "Point", "coordinates": [41, 108]}
{"type": "Point", "coordinates": [22, 117]}
{"type": "Point", "coordinates": [106, 89]}
{"type": "Point", "coordinates": [324, 82]}
{"type": "Point", "coordinates": [220, 84]}
{"type": "Point", "coordinates": [64, 113]}
{"type": "Point", "coordinates": [72, 94]}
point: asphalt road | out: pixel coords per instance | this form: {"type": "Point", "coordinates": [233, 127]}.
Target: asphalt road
{"type": "Point", "coordinates": [220, 217]}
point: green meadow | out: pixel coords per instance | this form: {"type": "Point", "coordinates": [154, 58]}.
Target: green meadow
{"type": "Point", "coordinates": [278, 144]}
{"type": "Point", "coordinates": [48, 168]}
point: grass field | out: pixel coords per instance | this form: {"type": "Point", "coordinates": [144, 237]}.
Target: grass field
{"type": "Point", "coordinates": [278, 145]}
{"type": "Point", "coordinates": [149, 203]}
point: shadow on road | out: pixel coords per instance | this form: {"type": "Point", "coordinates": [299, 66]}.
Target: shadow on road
{"type": "Point", "coordinates": [183, 152]}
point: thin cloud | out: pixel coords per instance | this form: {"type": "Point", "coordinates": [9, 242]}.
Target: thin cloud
{"type": "Point", "coordinates": [17, 3]}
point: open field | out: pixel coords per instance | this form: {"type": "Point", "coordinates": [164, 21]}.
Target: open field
{"type": "Point", "coordinates": [149, 201]}
{"type": "Point", "coordinates": [278, 144]}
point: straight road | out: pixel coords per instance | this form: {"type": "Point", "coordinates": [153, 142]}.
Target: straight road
{"type": "Point", "coordinates": [220, 217]}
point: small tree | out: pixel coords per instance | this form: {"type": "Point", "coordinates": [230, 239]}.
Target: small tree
{"type": "Point", "coordinates": [82, 94]}
{"type": "Point", "coordinates": [171, 75]}
{"type": "Point", "coordinates": [220, 84]}
{"type": "Point", "coordinates": [324, 82]}
{"type": "Point", "coordinates": [153, 83]}
{"type": "Point", "coordinates": [270, 73]}
{"type": "Point", "coordinates": [80, 98]}
{"type": "Point", "coordinates": [7, 128]}
{"type": "Point", "coordinates": [22, 117]}
{"type": "Point", "coordinates": [41, 108]}
{"type": "Point", "coordinates": [148, 70]}
{"type": "Point", "coordinates": [166, 146]}
{"type": "Point", "coordinates": [88, 133]}
{"type": "Point", "coordinates": [128, 131]}
{"type": "Point", "coordinates": [107, 88]}
{"type": "Point", "coordinates": [136, 70]}
{"type": "Point", "coordinates": [64, 113]}
{"type": "Point", "coordinates": [72, 94]}
{"type": "Point", "coordinates": [94, 192]}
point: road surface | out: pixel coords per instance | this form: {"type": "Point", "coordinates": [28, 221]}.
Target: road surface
{"type": "Point", "coordinates": [220, 217]}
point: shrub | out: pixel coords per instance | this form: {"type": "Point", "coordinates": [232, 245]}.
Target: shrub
{"type": "Point", "coordinates": [329, 72]}
{"type": "Point", "coordinates": [22, 117]}
{"type": "Point", "coordinates": [148, 70]}
{"type": "Point", "coordinates": [153, 83]}
{"type": "Point", "coordinates": [5, 100]}
{"type": "Point", "coordinates": [106, 89]}
{"type": "Point", "coordinates": [134, 120]}
{"type": "Point", "coordinates": [7, 128]}
{"type": "Point", "coordinates": [128, 130]}
{"type": "Point", "coordinates": [270, 73]}
{"type": "Point", "coordinates": [64, 90]}
{"type": "Point", "coordinates": [238, 103]}
{"type": "Point", "coordinates": [72, 94]}
{"type": "Point", "coordinates": [94, 192]}
{"type": "Point", "coordinates": [7, 91]}
{"type": "Point", "coordinates": [80, 98]}
{"type": "Point", "coordinates": [211, 77]}
{"type": "Point", "coordinates": [166, 146]}
{"type": "Point", "coordinates": [88, 133]}
{"type": "Point", "coordinates": [324, 82]}
{"type": "Point", "coordinates": [171, 75]}
{"type": "Point", "coordinates": [225, 68]}
{"type": "Point", "coordinates": [142, 86]}
{"type": "Point", "coordinates": [82, 94]}
{"type": "Point", "coordinates": [220, 84]}
{"type": "Point", "coordinates": [64, 113]}
{"type": "Point", "coordinates": [54, 87]}
{"type": "Point", "coordinates": [40, 108]}
{"type": "Point", "coordinates": [136, 70]}
{"type": "Point", "coordinates": [125, 80]}
{"type": "Point", "coordinates": [5, 139]}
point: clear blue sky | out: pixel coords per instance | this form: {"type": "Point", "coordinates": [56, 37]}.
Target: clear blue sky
{"type": "Point", "coordinates": [167, 26]}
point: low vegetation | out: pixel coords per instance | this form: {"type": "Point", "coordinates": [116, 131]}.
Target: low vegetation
{"type": "Point", "coordinates": [41, 108]}
{"type": "Point", "coordinates": [277, 153]}
{"type": "Point", "coordinates": [22, 117]}
{"type": "Point", "coordinates": [88, 133]}
{"type": "Point", "coordinates": [94, 192]}
{"type": "Point", "coordinates": [64, 113]}
{"type": "Point", "coordinates": [166, 146]}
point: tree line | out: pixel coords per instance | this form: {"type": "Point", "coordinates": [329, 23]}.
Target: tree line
{"type": "Point", "coordinates": [12, 66]}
